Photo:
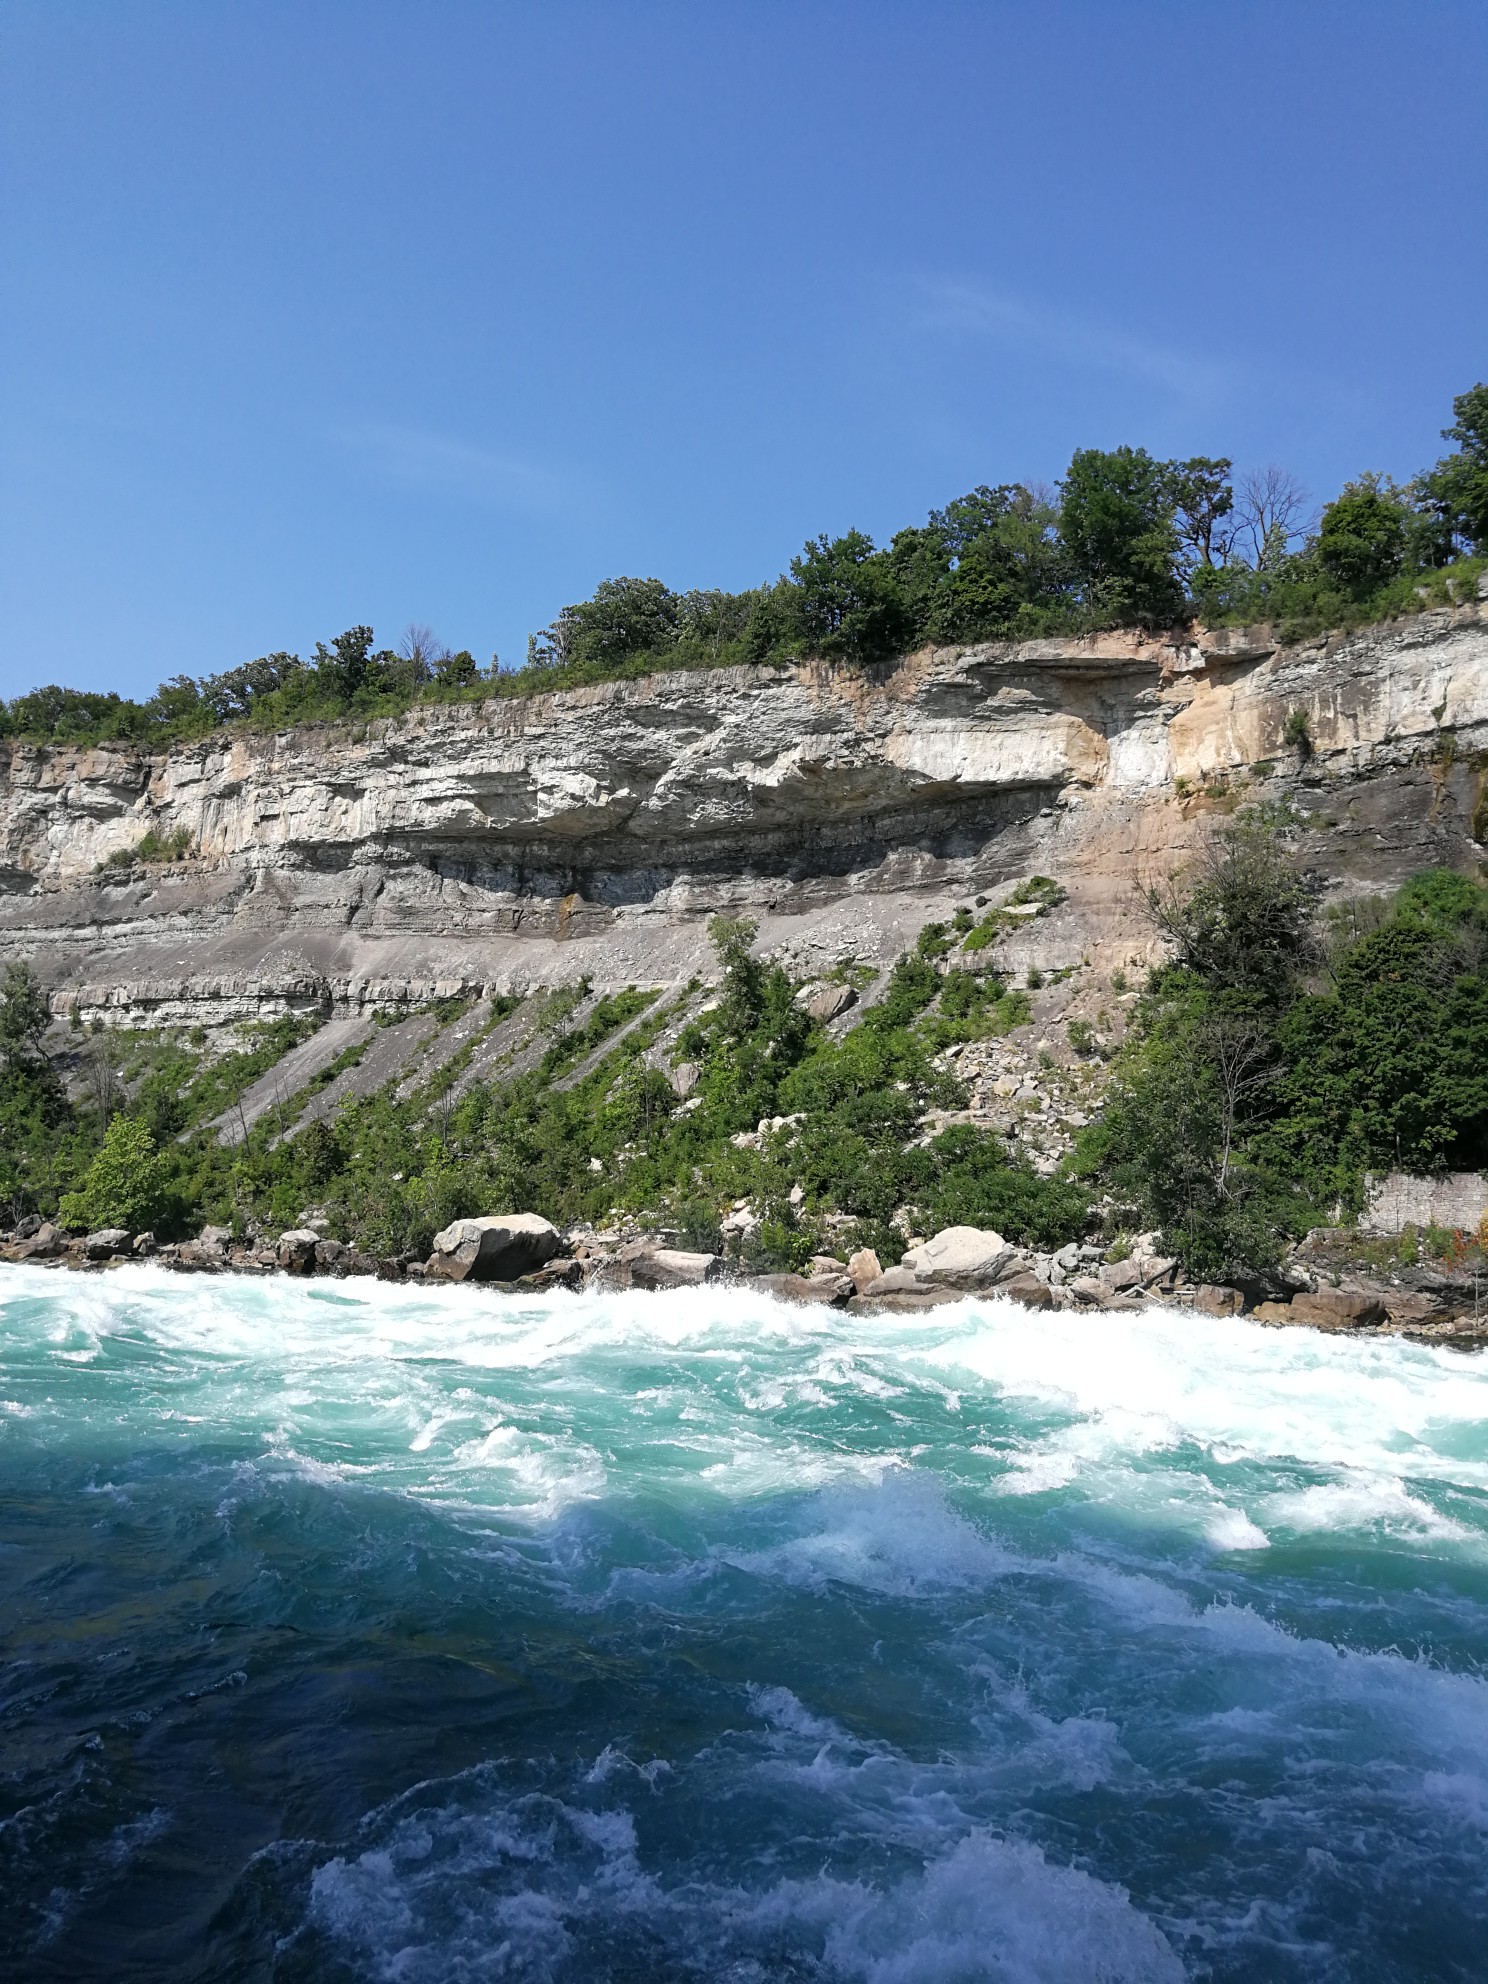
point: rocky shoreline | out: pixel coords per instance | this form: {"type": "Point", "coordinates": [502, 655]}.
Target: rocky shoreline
{"type": "Point", "coordinates": [525, 1254]}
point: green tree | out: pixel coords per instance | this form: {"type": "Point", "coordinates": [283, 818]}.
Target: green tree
{"type": "Point", "coordinates": [1457, 488]}
{"type": "Point", "coordinates": [1362, 537]}
{"type": "Point", "coordinates": [847, 601]}
{"type": "Point", "coordinates": [347, 665]}
{"type": "Point", "coordinates": [1205, 500]}
{"type": "Point", "coordinates": [1116, 521]}
{"type": "Point", "coordinates": [457, 671]}
{"type": "Point", "coordinates": [126, 1185]}
{"type": "Point", "coordinates": [988, 564]}
{"type": "Point", "coordinates": [24, 1014]}
{"type": "Point", "coordinates": [625, 618]}
{"type": "Point", "coordinates": [1241, 919]}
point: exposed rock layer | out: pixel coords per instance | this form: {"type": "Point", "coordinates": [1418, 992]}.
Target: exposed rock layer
{"type": "Point", "coordinates": [515, 843]}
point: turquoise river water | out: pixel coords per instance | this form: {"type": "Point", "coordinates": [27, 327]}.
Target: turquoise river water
{"type": "Point", "coordinates": [355, 1632]}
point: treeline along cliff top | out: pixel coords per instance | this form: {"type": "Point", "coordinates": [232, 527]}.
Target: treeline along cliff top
{"type": "Point", "coordinates": [1124, 540]}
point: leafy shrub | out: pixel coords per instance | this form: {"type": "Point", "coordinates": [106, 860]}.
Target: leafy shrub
{"type": "Point", "coordinates": [1245, 1105]}
{"type": "Point", "coordinates": [126, 1184]}
{"type": "Point", "coordinates": [1297, 734]}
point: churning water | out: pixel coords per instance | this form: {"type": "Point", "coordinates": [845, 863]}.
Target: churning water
{"type": "Point", "coordinates": [357, 1632]}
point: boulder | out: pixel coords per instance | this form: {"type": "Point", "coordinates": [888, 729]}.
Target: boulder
{"type": "Point", "coordinates": [218, 1238]}
{"type": "Point", "coordinates": [1212, 1298]}
{"type": "Point", "coordinates": [494, 1248]}
{"type": "Point", "coordinates": [1157, 1270]}
{"type": "Point", "coordinates": [106, 1242]}
{"type": "Point", "coordinates": [1339, 1309]}
{"type": "Point", "coordinates": [864, 1268]}
{"type": "Point", "coordinates": [831, 1000]}
{"type": "Point", "coordinates": [329, 1255]}
{"type": "Point", "coordinates": [1408, 1308]}
{"type": "Point", "coordinates": [893, 1281]}
{"type": "Point", "coordinates": [193, 1258]}
{"type": "Point", "coordinates": [959, 1257]}
{"type": "Point", "coordinates": [296, 1250]}
{"type": "Point", "coordinates": [1274, 1312]}
{"type": "Point", "coordinates": [684, 1079]}
{"type": "Point", "coordinates": [1118, 1276]}
{"type": "Point", "coordinates": [562, 1273]}
{"type": "Point", "coordinates": [671, 1267]}
{"type": "Point", "coordinates": [924, 1295]}
{"type": "Point", "coordinates": [144, 1245]}
{"type": "Point", "coordinates": [45, 1244]}
{"type": "Point", "coordinates": [833, 1289]}
{"type": "Point", "coordinates": [1027, 1289]}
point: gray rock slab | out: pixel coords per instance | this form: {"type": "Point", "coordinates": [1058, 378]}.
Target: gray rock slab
{"type": "Point", "coordinates": [607, 1046]}
{"type": "Point", "coordinates": [443, 1048]}
{"type": "Point", "coordinates": [288, 1076]}
{"type": "Point", "coordinates": [384, 1061]}
{"type": "Point", "coordinates": [527, 1056]}
{"type": "Point", "coordinates": [495, 1051]}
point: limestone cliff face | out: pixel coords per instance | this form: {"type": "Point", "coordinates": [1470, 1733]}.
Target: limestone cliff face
{"type": "Point", "coordinates": [522, 842]}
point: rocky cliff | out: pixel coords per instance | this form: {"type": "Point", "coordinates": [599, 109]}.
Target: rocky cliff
{"type": "Point", "coordinates": [515, 843]}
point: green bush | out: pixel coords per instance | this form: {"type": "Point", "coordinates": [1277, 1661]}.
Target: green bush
{"type": "Point", "coordinates": [126, 1185]}
{"type": "Point", "coordinates": [1247, 1102]}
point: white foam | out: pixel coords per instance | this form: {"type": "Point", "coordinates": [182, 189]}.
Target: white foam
{"type": "Point", "coordinates": [516, 1889]}
{"type": "Point", "coordinates": [897, 1537]}
{"type": "Point", "coordinates": [1363, 1501]}
{"type": "Point", "coordinates": [1232, 1529]}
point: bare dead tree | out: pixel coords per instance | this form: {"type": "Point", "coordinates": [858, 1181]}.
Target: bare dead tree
{"type": "Point", "coordinates": [103, 1083]}
{"type": "Point", "coordinates": [1243, 1057]}
{"type": "Point", "coordinates": [1272, 510]}
{"type": "Point", "coordinates": [444, 1110]}
{"type": "Point", "coordinates": [422, 646]}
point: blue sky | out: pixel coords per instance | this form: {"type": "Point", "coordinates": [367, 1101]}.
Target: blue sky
{"type": "Point", "coordinates": [321, 313]}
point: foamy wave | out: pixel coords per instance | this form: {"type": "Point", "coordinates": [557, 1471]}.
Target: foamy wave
{"type": "Point", "coordinates": [538, 1889]}
{"type": "Point", "coordinates": [899, 1538]}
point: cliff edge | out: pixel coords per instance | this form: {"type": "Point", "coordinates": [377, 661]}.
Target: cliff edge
{"type": "Point", "coordinates": [495, 846]}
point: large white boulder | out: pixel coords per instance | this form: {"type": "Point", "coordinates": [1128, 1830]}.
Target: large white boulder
{"type": "Point", "coordinates": [296, 1250]}
{"type": "Point", "coordinates": [494, 1248]}
{"type": "Point", "coordinates": [959, 1257]}
{"type": "Point", "coordinates": [673, 1267]}
{"type": "Point", "coordinates": [106, 1241]}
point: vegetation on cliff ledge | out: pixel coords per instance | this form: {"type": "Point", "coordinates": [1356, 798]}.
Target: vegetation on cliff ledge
{"type": "Point", "coordinates": [809, 1127]}
{"type": "Point", "coordinates": [1125, 540]}
{"type": "Point", "coordinates": [1279, 1057]}
{"type": "Point", "coordinates": [1275, 1059]}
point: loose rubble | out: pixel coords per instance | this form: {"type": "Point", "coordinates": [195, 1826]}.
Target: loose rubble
{"type": "Point", "coordinates": [1321, 1286]}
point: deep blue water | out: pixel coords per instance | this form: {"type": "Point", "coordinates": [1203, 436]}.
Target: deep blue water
{"type": "Point", "coordinates": [353, 1632]}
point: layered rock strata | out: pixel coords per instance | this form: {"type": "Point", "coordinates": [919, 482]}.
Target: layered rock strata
{"type": "Point", "coordinates": [513, 843]}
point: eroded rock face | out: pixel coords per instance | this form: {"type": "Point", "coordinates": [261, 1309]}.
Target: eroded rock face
{"type": "Point", "coordinates": [513, 843]}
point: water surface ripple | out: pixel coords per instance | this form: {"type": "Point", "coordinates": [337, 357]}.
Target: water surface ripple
{"type": "Point", "coordinates": [358, 1632]}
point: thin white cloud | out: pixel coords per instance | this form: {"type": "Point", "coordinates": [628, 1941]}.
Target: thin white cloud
{"type": "Point", "coordinates": [974, 309]}
{"type": "Point", "coordinates": [415, 458]}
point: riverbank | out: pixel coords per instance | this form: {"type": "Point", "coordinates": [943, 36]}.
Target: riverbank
{"type": "Point", "coordinates": [1334, 1281]}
